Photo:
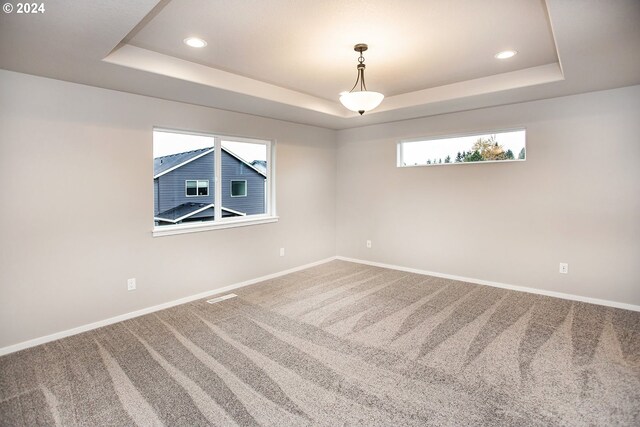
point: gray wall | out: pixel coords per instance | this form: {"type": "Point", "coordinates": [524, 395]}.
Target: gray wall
{"type": "Point", "coordinates": [77, 206]}
{"type": "Point", "coordinates": [77, 202]}
{"type": "Point", "coordinates": [576, 199]}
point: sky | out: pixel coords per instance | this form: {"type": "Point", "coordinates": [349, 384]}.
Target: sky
{"type": "Point", "coordinates": [166, 143]}
{"type": "Point", "coordinates": [416, 152]}
{"type": "Point", "coordinates": [419, 151]}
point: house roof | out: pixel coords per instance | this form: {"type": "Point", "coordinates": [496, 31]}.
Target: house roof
{"type": "Point", "coordinates": [165, 164]}
{"type": "Point", "coordinates": [260, 165]}
{"type": "Point", "coordinates": [182, 211]}
{"type": "Point", "coordinates": [186, 210]}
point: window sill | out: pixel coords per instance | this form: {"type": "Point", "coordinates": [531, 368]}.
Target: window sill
{"type": "Point", "coordinates": [170, 230]}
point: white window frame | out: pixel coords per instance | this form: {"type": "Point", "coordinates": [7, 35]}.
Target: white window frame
{"type": "Point", "coordinates": [198, 181]}
{"type": "Point", "coordinates": [399, 146]}
{"type": "Point", "coordinates": [231, 187]}
{"type": "Point", "coordinates": [230, 222]}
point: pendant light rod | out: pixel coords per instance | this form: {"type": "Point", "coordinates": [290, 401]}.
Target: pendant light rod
{"type": "Point", "coordinates": [360, 47]}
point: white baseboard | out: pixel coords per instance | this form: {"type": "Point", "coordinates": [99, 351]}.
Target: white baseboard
{"type": "Point", "coordinates": [571, 297]}
{"type": "Point", "coordinates": [56, 336]}
{"type": "Point", "coordinates": [52, 337]}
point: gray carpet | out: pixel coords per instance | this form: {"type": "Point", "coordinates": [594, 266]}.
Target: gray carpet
{"type": "Point", "coordinates": [340, 344]}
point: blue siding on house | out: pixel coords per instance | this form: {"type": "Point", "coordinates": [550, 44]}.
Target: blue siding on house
{"type": "Point", "coordinates": [170, 190]}
{"type": "Point", "coordinates": [156, 207]}
{"type": "Point", "coordinates": [171, 186]}
{"type": "Point", "coordinates": [234, 169]}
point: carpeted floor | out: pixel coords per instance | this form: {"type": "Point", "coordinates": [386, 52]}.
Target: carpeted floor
{"type": "Point", "coordinates": [340, 344]}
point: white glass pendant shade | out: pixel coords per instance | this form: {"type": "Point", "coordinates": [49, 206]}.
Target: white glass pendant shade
{"type": "Point", "coordinates": [361, 101]}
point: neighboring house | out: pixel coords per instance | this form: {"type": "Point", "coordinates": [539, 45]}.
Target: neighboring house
{"type": "Point", "coordinates": [261, 165]}
{"type": "Point", "coordinates": [183, 189]}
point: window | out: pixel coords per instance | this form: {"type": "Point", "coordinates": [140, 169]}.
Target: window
{"type": "Point", "coordinates": [500, 146]}
{"type": "Point", "coordinates": [238, 188]}
{"type": "Point", "coordinates": [197, 187]}
{"type": "Point", "coordinates": [207, 181]}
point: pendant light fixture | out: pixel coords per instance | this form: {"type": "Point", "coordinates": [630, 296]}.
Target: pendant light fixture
{"type": "Point", "coordinates": [361, 100]}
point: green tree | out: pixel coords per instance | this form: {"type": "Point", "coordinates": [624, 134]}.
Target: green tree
{"type": "Point", "coordinates": [448, 159]}
{"type": "Point", "coordinates": [522, 154]}
{"type": "Point", "coordinates": [428, 162]}
{"type": "Point", "coordinates": [474, 157]}
{"type": "Point", "coordinates": [458, 157]}
{"type": "Point", "coordinates": [509, 155]}
{"type": "Point", "coordinates": [489, 148]}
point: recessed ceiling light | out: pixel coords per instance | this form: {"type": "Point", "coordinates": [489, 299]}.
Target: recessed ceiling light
{"type": "Point", "coordinates": [195, 42]}
{"type": "Point", "coordinates": [505, 54]}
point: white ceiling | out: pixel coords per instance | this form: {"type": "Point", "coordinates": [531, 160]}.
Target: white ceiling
{"type": "Point", "coordinates": [307, 45]}
{"type": "Point", "coordinates": [289, 60]}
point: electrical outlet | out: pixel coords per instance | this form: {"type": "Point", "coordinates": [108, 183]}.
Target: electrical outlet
{"type": "Point", "coordinates": [281, 251]}
{"type": "Point", "coordinates": [131, 284]}
{"type": "Point", "coordinates": [564, 268]}
{"type": "Point", "coordinates": [369, 244]}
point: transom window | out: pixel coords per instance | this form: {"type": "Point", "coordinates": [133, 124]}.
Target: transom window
{"type": "Point", "coordinates": [238, 188]}
{"type": "Point", "coordinates": [197, 187]}
{"type": "Point", "coordinates": [498, 146]}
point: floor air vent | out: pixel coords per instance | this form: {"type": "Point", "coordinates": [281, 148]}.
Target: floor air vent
{"type": "Point", "coordinates": [222, 298]}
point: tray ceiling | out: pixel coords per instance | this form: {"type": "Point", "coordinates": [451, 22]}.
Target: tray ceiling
{"type": "Point", "coordinates": [289, 60]}
{"type": "Point", "coordinates": [307, 45]}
